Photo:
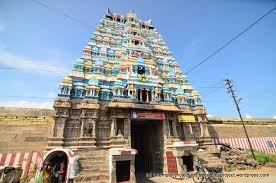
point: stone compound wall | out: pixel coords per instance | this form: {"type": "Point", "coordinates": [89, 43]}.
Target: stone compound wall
{"type": "Point", "coordinates": [13, 111]}
{"type": "Point", "coordinates": [24, 133]}
{"type": "Point", "coordinates": [232, 128]}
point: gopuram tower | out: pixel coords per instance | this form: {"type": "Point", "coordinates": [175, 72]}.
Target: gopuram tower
{"type": "Point", "coordinates": [127, 108]}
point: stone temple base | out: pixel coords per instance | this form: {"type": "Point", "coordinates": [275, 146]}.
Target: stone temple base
{"type": "Point", "coordinates": [118, 142]}
{"type": "Point", "coordinates": [87, 142]}
{"type": "Point", "coordinates": [176, 151]}
{"type": "Point", "coordinates": [55, 142]}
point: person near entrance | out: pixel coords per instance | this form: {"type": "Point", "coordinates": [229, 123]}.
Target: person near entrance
{"type": "Point", "coordinates": [58, 173]}
{"type": "Point", "coordinates": [45, 173]}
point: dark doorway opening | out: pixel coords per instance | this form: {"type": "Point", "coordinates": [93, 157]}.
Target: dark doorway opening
{"type": "Point", "coordinates": [188, 162]}
{"type": "Point", "coordinates": [144, 95]}
{"type": "Point", "coordinates": [123, 171]}
{"type": "Point", "coordinates": [147, 139]}
{"type": "Point", "coordinates": [58, 162]}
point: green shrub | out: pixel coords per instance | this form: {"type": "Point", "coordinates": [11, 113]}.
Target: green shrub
{"type": "Point", "coordinates": [272, 158]}
{"type": "Point", "coordinates": [262, 158]}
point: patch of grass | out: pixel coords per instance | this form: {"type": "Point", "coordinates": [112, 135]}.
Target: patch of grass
{"type": "Point", "coordinates": [262, 158]}
{"type": "Point", "coordinates": [228, 167]}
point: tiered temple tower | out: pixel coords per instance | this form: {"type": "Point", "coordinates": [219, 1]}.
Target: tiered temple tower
{"type": "Point", "coordinates": [128, 98]}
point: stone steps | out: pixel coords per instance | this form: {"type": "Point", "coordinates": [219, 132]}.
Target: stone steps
{"type": "Point", "coordinates": [94, 172]}
{"type": "Point", "coordinates": [208, 157]}
{"type": "Point", "coordinates": [93, 157]}
{"type": "Point", "coordinates": [94, 166]}
{"type": "Point", "coordinates": [95, 163]}
{"type": "Point", "coordinates": [91, 179]}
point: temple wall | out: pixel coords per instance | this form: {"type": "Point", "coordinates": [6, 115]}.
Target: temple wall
{"type": "Point", "coordinates": [232, 128]}
{"type": "Point", "coordinates": [24, 134]}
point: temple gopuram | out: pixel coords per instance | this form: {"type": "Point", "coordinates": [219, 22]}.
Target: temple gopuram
{"type": "Point", "coordinates": [127, 108]}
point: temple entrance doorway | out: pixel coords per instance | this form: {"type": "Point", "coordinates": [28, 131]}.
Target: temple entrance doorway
{"type": "Point", "coordinates": [147, 139]}
{"type": "Point", "coordinates": [58, 162]}
{"type": "Point", "coordinates": [188, 163]}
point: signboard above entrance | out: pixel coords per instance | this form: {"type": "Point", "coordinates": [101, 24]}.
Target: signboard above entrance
{"type": "Point", "coordinates": [148, 115]}
{"type": "Point", "coordinates": [186, 118]}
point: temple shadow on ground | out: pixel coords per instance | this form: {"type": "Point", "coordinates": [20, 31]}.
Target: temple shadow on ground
{"type": "Point", "coordinates": [142, 178]}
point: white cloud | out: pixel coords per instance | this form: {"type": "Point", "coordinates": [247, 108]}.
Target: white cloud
{"type": "Point", "coordinates": [28, 104]}
{"type": "Point", "coordinates": [42, 67]}
{"type": "Point", "coordinates": [248, 116]}
{"type": "Point", "coordinates": [274, 117]}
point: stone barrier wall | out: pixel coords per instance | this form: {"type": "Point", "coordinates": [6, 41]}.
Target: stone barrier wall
{"type": "Point", "coordinates": [24, 133]}
{"type": "Point", "coordinates": [232, 128]}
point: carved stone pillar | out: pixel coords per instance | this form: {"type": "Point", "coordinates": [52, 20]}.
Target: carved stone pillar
{"type": "Point", "coordinates": [60, 127]}
{"type": "Point", "coordinates": [126, 127]}
{"type": "Point", "coordinates": [53, 128]}
{"type": "Point", "coordinates": [127, 132]}
{"type": "Point", "coordinates": [196, 130]}
{"type": "Point", "coordinates": [170, 125]}
{"type": "Point", "coordinates": [176, 136]}
{"type": "Point", "coordinates": [188, 133]}
{"type": "Point", "coordinates": [131, 68]}
{"type": "Point", "coordinates": [83, 122]}
{"type": "Point", "coordinates": [189, 130]}
{"type": "Point", "coordinates": [82, 127]}
{"type": "Point", "coordinates": [93, 92]}
{"type": "Point", "coordinates": [57, 137]}
{"type": "Point", "coordinates": [165, 129]}
{"type": "Point", "coordinates": [179, 162]}
{"type": "Point", "coordinates": [147, 93]}
{"type": "Point", "coordinates": [93, 128]}
{"type": "Point", "coordinates": [153, 95]}
{"type": "Point", "coordinates": [113, 127]}
{"type": "Point", "coordinates": [140, 93]}
{"type": "Point", "coordinates": [204, 130]}
{"type": "Point", "coordinates": [128, 92]}
{"type": "Point", "coordinates": [113, 172]}
{"type": "Point", "coordinates": [132, 171]}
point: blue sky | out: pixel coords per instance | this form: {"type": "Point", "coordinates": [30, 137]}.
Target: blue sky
{"type": "Point", "coordinates": [34, 38]}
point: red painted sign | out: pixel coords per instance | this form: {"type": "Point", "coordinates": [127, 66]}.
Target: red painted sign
{"type": "Point", "coordinates": [149, 115]}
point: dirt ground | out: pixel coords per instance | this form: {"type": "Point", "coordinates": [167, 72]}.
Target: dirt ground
{"type": "Point", "coordinates": [265, 175]}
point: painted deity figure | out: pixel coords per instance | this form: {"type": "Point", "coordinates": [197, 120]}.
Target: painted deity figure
{"type": "Point", "coordinates": [131, 90]}
{"type": "Point", "coordinates": [88, 130]}
{"type": "Point", "coordinates": [120, 134]}
{"type": "Point", "coordinates": [82, 114]}
{"type": "Point", "coordinates": [157, 93]}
